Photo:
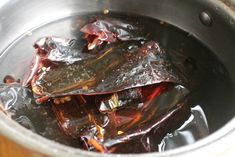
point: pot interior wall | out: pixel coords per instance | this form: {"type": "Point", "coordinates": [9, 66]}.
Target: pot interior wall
{"type": "Point", "coordinates": [19, 17]}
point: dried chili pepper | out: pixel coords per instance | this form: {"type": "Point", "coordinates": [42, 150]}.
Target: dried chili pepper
{"type": "Point", "coordinates": [110, 30]}
{"type": "Point", "coordinates": [124, 92]}
{"type": "Point", "coordinates": [109, 72]}
{"type": "Point", "coordinates": [111, 130]}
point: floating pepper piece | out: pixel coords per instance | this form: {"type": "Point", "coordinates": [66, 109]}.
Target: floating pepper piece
{"type": "Point", "coordinates": [159, 113]}
{"type": "Point", "coordinates": [110, 30]}
{"type": "Point", "coordinates": [147, 136]}
{"type": "Point", "coordinates": [18, 104]}
{"type": "Point", "coordinates": [116, 69]}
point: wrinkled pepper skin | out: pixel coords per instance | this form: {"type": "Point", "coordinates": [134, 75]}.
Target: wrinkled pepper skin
{"type": "Point", "coordinates": [141, 123]}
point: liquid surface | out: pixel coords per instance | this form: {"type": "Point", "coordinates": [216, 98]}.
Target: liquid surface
{"type": "Point", "coordinates": [203, 71]}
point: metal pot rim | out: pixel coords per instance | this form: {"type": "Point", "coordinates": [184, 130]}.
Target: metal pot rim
{"type": "Point", "coordinates": [217, 143]}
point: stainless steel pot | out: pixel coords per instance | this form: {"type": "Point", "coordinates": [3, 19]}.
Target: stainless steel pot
{"type": "Point", "coordinates": [210, 21]}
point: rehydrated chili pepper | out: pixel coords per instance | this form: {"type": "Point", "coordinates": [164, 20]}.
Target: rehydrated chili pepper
{"type": "Point", "coordinates": [124, 92]}
{"type": "Point", "coordinates": [110, 30]}
{"type": "Point", "coordinates": [154, 116]}
{"type": "Point", "coordinates": [147, 137]}
{"type": "Point", "coordinates": [109, 72]}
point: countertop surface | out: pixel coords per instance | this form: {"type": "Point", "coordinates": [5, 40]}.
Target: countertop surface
{"type": "Point", "coordinates": [10, 149]}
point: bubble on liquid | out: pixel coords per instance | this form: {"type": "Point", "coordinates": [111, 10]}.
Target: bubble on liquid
{"type": "Point", "coordinates": [106, 11]}
{"type": "Point", "coordinates": [144, 65]}
{"type": "Point", "coordinates": [132, 48]}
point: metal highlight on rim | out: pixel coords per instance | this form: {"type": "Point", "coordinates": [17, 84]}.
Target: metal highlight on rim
{"type": "Point", "coordinates": [28, 139]}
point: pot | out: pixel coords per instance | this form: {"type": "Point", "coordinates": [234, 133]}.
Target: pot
{"type": "Point", "coordinates": [212, 22]}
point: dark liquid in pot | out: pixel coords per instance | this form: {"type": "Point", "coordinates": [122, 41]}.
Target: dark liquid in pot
{"type": "Point", "coordinates": [209, 80]}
